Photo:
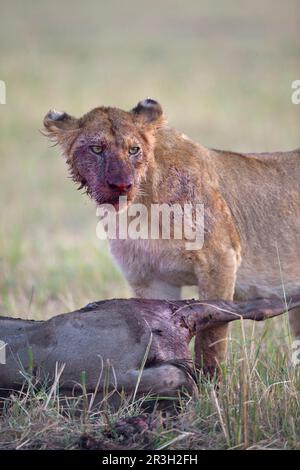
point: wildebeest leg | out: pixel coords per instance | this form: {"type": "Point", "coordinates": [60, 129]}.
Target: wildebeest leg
{"type": "Point", "coordinates": [165, 379]}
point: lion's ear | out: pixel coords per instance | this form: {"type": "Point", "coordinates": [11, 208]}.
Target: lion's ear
{"type": "Point", "coordinates": [60, 127]}
{"type": "Point", "coordinates": [149, 113]}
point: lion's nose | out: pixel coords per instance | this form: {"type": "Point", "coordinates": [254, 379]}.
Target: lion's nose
{"type": "Point", "coordinates": [121, 186]}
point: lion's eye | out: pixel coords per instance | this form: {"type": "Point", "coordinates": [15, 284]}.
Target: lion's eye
{"type": "Point", "coordinates": [134, 150]}
{"type": "Point", "coordinates": [97, 149]}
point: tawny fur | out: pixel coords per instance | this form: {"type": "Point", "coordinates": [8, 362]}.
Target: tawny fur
{"type": "Point", "coordinates": [251, 203]}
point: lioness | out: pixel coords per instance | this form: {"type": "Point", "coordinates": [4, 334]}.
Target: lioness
{"type": "Point", "coordinates": [251, 209]}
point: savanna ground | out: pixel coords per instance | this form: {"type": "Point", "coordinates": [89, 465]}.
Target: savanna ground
{"type": "Point", "coordinates": [223, 73]}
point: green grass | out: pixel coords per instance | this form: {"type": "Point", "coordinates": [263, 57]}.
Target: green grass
{"type": "Point", "coordinates": [223, 73]}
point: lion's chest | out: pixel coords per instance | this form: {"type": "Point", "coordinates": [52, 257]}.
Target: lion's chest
{"type": "Point", "coordinates": [144, 260]}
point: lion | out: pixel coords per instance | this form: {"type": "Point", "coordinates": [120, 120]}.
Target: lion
{"type": "Point", "coordinates": [251, 206]}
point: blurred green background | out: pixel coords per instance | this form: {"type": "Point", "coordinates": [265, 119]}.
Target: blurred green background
{"type": "Point", "coordinates": [221, 69]}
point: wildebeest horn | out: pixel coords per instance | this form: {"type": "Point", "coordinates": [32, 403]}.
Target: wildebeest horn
{"type": "Point", "coordinates": [203, 315]}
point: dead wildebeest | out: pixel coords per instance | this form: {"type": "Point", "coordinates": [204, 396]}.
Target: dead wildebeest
{"type": "Point", "coordinates": [144, 341]}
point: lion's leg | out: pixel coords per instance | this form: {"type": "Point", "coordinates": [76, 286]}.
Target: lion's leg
{"type": "Point", "coordinates": [211, 349]}
{"type": "Point", "coordinates": [218, 283]}
{"type": "Point", "coordinates": [294, 319]}
{"type": "Point", "coordinates": [157, 289]}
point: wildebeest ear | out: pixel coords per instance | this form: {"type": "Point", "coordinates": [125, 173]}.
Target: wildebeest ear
{"type": "Point", "coordinates": [60, 126]}
{"type": "Point", "coordinates": [149, 112]}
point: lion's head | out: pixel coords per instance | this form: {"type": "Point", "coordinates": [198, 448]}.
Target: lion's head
{"type": "Point", "coordinates": [108, 150]}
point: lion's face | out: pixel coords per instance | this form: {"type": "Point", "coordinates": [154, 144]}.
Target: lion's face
{"type": "Point", "coordinates": [108, 150]}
